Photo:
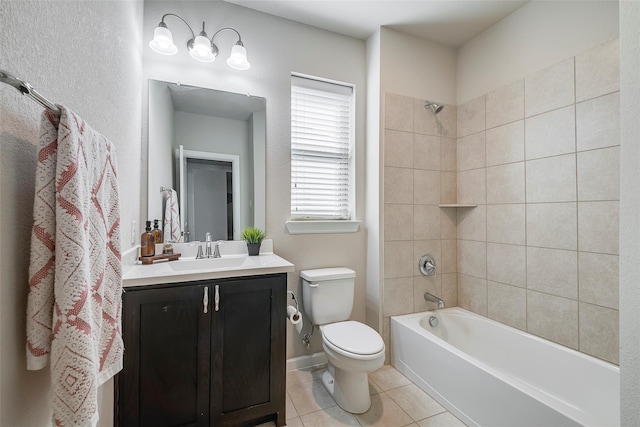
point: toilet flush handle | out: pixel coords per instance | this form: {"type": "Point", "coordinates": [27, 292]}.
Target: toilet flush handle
{"type": "Point", "coordinates": [313, 285]}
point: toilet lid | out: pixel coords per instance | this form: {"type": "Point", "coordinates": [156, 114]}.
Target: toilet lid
{"type": "Point", "coordinates": [353, 337]}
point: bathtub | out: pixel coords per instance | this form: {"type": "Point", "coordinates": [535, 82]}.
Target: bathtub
{"type": "Point", "coordinates": [489, 374]}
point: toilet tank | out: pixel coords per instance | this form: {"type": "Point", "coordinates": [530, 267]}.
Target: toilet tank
{"type": "Point", "coordinates": [327, 294]}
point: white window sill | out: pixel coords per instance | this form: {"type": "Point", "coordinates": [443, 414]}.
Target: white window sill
{"type": "Point", "coordinates": [322, 226]}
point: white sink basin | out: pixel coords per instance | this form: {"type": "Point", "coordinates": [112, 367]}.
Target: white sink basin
{"type": "Point", "coordinates": [206, 264]}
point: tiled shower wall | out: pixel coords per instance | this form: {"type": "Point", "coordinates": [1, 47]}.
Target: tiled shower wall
{"type": "Point", "coordinates": [419, 174]}
{"type": "Point", "coordinates": [540, 157]}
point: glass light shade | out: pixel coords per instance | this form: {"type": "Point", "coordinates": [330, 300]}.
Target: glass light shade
{"type": "Point", "coordinates": [238, 58]}
{"type": "Point", "coordinates": [201, 50]}
{"type": "Point", "coordinates": [162, 42]}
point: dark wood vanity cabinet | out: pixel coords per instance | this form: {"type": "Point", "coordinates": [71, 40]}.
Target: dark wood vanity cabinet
{"type": "Point", "coordinates": [208, 353]}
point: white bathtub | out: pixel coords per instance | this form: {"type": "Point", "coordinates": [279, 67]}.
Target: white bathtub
{"type": "Point", "coordinates": [489, 374]}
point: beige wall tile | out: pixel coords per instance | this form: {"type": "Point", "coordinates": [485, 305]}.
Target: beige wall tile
{"type": "Point", "coordinates": [505, 144]}
{"type": "Point", "coordinates": [398, 185]}
{"type": "Point", "coordinates": [550, 134]}
{"type": "Point", "coordinates": [598, 71]}
{"type": "Point", "coordinates": [598, 279]}
{"type": "Point", "coordinates": [472, 294]}
{"type": "Point", "coordinates": [507, 304]}
{"type": "Point", "coordinates": [552, 225]}
{"type": "Point", "coordinates": [398, 296]}
{"type": "Point", "coordinates": [598, 227]}
{"type": "Point", "coordinates": [505, 183]}
{"type": "Point", "coordinates": [448, 193]}
{"type": "Point", "coordinates": [598, 122]}
{"type": "Point", "coordinates": [426, 152]}
{"type": "Point", "coordinates": [449, 263]}
{"type": "Point", "coordinates": [426, 187]}
{"type": "Point", "coordinates": [599, 332]}
{"type": "Point", "coordinates": [450, 289]}
{"type": "Point", "coordinates": [448, 218]}
{"type": "Point", "coordinates": [422, 284]}
{"type": "Point", "coordinates": [471, 151]}
{"type": "Point", "coordinates": [398, 148]}
{"type": "Point", "coordinates": [549, 88]}
{"type": "Point", "coordinates": [553, 271]}
{"type": "Point", "coordinates": [426, 222]}
{"type": "Point", "coordinates": [599, 174]}
{"type": "Point", "coordinates": [423, 247]}
{"type": "Point", "coordinates": [472, 258]}
{"type": "Point", "coordinates": [424, 121]}
{"type": "Point", "coordinates": [386, 337]}
{"type": "Point", "coordinates": [552, 179]}
{"type": "Point", "coordinates": [398, 112]}
{"type": "Point", "coordinates": [472, 223]}
{"type": "Point", "coordinates": [554, 318]}
{"type": "Point", "coordinates": [472, 187]}
{"type": "Point", "coordinates": [398, 222]}
{"type": "Point", "coordinates": [448, 149]}
{"type": "Point", "coordinates": [506, 224]}
{"type": "Point", "coordinates": [507, 264]}
{"type": "Point", "coordinates": [471, 116]}
{"type": "Point", "coordinates": [398, 259]}
{"type": "Point", "coordinates": [449, 120]}
{"type": "Point", "coordinates": [505, 104]}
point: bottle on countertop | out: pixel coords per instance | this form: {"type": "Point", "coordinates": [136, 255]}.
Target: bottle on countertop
{"type": "Point", "coordinates": [147, 242]}
{"type": "Point", "coordinates": [157, 234]}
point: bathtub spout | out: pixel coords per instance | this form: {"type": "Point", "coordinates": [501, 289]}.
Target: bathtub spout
{"type": "Point", "coordinates": [433, 298]}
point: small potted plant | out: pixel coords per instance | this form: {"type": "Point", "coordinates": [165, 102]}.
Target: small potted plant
{"type": "Point", "coordinates": [254, 237]}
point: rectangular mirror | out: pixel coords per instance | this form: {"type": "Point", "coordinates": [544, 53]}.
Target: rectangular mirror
{"type": "Point", "coordinates": [209, 146]}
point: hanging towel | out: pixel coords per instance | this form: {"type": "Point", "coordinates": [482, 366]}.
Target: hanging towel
{"type": "Point", "coordinates": [75, 276]}
{"type": "Point", "coordinates": [171, 217]}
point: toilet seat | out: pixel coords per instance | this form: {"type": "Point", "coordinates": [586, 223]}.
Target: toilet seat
{"type": "Point", "coordinates": [353, 339]}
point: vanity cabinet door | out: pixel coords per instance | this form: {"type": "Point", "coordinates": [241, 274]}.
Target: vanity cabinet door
{"type": "Point", "coordinates": [165, 380]}
{"type": "Point", "coordinates": [248, 351]}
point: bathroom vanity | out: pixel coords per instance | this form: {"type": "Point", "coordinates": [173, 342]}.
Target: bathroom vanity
{"type": "Point", "coordinates": [206, 346]}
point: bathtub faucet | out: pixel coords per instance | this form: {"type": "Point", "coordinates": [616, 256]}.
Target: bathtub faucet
{"type": "Point", "coordinates": [433, 298]}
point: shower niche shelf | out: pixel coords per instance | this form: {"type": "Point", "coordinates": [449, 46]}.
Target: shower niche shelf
{"type": "Point", "coordinates": [457, 205]}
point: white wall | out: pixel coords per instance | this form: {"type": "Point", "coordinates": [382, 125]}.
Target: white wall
{"type": "Point", "coordinates": [161, 133]}
{"type": "Point", "coordinates": [629, 212]}
{"type": "Point", "coordinates": [276, 47]}
{"type": "Point", "coordinates": [85, 55]}
{"type": "Point", "coordinates": [417, 68]}
{"type": "Point", "coordinates": [539, 34]}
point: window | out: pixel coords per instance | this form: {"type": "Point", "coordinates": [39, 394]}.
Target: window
{"type": "Point", "coordinates": [322, 135]}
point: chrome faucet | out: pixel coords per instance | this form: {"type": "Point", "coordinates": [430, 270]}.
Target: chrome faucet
{"type": "Point", "coordinates": [216, 249]}
{"type": "Point", "coordinates": [207, 245]}
{"type": "Point", "coordinates": [433, 298]}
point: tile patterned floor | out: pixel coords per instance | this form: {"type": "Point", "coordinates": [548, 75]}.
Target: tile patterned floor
{"type": "Point", "coordinates": [395, 402]}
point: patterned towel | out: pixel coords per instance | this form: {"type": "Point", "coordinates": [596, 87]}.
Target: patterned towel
{"type": "Point", "coordinates": [171, 217]}
{"type": "Point", "coordinates": [74, 304]}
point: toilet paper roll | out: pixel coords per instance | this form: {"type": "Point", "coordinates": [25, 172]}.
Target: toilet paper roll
{"type": "Point", "coordinates": [295, 317]}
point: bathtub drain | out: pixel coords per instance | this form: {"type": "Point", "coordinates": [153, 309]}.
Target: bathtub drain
{"type": "Point", "coordinates": [433, 321]}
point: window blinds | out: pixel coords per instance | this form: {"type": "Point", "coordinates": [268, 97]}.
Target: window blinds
{"type": "Point", "coordinates": [321, 140]}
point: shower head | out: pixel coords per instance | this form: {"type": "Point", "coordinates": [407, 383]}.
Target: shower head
{"type": "Point", "coordinates": [435, 107]}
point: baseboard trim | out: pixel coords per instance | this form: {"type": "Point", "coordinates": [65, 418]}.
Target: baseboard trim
{"type": "Point", "coordinates": [309, 361]}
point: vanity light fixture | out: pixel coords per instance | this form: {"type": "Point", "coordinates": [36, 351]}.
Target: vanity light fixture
{"type": "Point", "coordinates": [201, 47]}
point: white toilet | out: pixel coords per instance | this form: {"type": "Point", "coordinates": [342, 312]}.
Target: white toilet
{"type": "Point", "coordinates": [353, 348]}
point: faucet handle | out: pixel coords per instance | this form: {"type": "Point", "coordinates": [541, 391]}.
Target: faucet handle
{"type": "Point", "coordinates": [199, 254]}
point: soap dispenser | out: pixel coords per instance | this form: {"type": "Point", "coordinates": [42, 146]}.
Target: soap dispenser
{"type": "Point", "coordinates": [157, 234]}
{"type": "Point", "coordinates": [147, 242]}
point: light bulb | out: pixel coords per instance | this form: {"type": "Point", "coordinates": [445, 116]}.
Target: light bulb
{"type": "Point", "coordinates": [238, 58]}
{"type": "Point", "coordinates": [201, 49]}
{"type": "Point", "coordinates": [162, 42]}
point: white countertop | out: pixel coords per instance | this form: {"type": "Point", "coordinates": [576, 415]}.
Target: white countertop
{"type": "Point", "coordinates": [188, 269]}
